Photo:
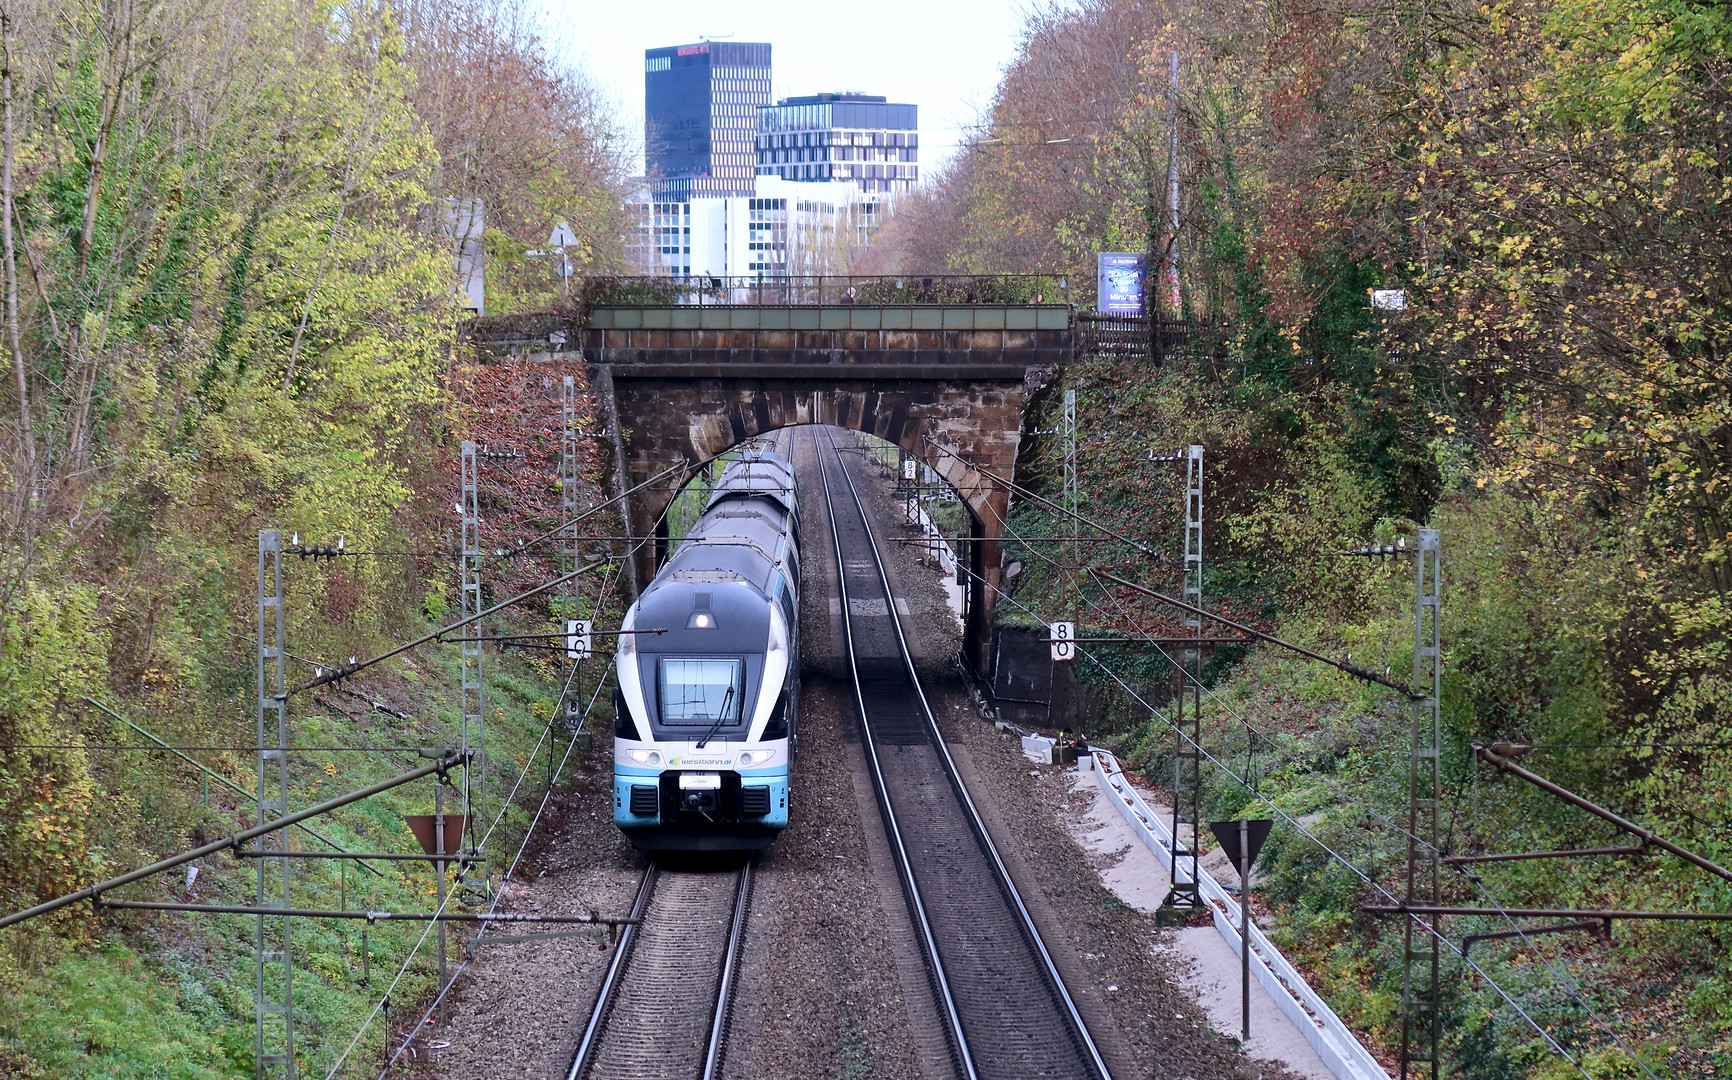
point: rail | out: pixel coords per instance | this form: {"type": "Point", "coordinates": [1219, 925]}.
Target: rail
{"type": "Point", "coordinates": [653, 1040]}
{"type": "Point", "coordinates": [978, 997]}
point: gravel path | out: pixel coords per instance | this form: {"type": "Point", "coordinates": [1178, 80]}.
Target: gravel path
{"type": "Point", "coordinates": [1209, 966]}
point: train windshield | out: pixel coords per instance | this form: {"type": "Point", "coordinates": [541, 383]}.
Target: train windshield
{"type": "Point", "coordinates": [699, 691]}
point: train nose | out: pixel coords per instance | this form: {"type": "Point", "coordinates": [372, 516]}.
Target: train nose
{"type": "Point", "coordinates": [700, 793]}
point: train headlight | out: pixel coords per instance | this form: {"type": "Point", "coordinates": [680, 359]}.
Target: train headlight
{"type": "Point", "coordinates": [749, 758]}
{"type": "Point", "coordinates": [645, 757]}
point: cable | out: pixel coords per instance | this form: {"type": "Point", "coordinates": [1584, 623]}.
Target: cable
{"type": "Point", "coordinates": [1289, 819]}
{"type": "Point", "coordinates": [219, 749]}
{"type": "Point", "coordinates": [1335, 788]}
{"type": "Point", "coordinates": [1275, 748]}
{"type": "Point", "coordinates": [528, 833]}
{"type": "Point", "coordinates": [1566, 982]}
{"type": "Point", "coordinates": [1343, 860]}
{"type": "Point", "coordinates": [1250, 728]}
{"type": "Point", "coordinates": [437, 636]}
{"type": "Point", "coordinates": [497, 818]}
{"type": "Point", "coordinates": [1273, 745]}
{"type": "Point", "coordinates": [1633, 746]}
{"type": "Point", "coordinates": [1269, 741]}
{"type": "Point", "coordinates": [1013, 487]}
{"type": "Point", "coordinates": [431, 923]}
{"type": "Point", "coordinates": [1565, 979]}
{"type": "Point", "coordinates": [504, 806]}
{"type": "Point", "coordinates": [492, 907]}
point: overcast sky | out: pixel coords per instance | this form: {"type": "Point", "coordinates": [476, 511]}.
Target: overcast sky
{"type": "Point", "coordinates": [942, 55]}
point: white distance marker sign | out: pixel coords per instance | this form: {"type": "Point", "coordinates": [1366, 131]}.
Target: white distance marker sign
{"type": "Point", "coordinates": [577, 639]}
{"type": "Point", "coordinates": [1063, 640]}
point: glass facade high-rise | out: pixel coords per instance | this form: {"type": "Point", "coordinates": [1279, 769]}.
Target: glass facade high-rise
{"type": "Point", "coordinates": [861, 138]}
{"type": "Point", "coordinates": [700, 117]}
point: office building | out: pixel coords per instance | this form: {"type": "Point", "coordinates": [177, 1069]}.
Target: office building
{"type": "Point", "coordinates": [862, 139]}
{"type": "Point", "coordinates": [784, 228]}
{"type": "Point", "coordinates": [700, 117]}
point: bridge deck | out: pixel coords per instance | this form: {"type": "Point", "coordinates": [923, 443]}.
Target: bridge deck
{"type": "Point", "coordinates": [1052, 317]}
{"type": "Point", "coordinates": [877, 342]}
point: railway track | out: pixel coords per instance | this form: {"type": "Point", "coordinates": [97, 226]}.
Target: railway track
{"type": "Point", "coordinates": [1007, 1011]}
{"type": "Point", "coordinates": [662, 1011]}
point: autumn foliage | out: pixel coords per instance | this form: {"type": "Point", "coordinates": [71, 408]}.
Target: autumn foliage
{"type": "Point", "coordinates": [1547, 182]}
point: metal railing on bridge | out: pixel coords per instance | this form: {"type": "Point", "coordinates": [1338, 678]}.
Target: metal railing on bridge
{"type": "Point", "coordinates": [1132, 336]}
{"type": "Point", "coordinates": [828, 290]}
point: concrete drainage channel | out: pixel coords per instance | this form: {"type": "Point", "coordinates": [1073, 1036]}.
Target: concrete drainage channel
{"type": "Point", "coordinates": [1340, 1051]}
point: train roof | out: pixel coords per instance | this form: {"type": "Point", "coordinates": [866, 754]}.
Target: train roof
{"type": "Point", "coordinates": [759, 472]}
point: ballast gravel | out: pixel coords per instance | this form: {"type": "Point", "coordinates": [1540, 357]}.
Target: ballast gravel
{"type": "Point", "coordinates": [517, 1009]}
{"type": "Point", "coordinates": [1146, 1025]}
{"type": "Point", "coordinates": [830, 985]}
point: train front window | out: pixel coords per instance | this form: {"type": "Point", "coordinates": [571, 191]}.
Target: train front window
{"type": "Point", "coordinates": [700, 691]}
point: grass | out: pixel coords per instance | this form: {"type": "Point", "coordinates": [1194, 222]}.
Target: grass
{"type": "Point", "coordinates": [170, 995]}
{"type": "Point", "coordinates": [111, 1013]}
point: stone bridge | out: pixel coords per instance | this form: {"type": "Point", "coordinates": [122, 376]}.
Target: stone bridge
{"type": "Point", "coordinates": [946, 383]}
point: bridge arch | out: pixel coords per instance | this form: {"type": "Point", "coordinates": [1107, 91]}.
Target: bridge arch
{"type": "Point", "coordinates": [871, 411]}
{"type": "Point", "coordinates": [682, 378]}
{"type": "Point", "coordinates": [966, 430]}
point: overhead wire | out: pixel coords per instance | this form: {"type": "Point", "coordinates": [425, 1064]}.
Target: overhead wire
{"type": "Point", "coordinates": [494, 905]}
{"type": "Point", "coordinates": [218, 749]}
{"type": "Point", "coordinates": [438, 636]}
{"type": "Point", "coordinates": [1274, 747]}
{"type": "Point", "coordinates": [1567, 983]}
{"type": "Point", "coordinates": [528, 833]}
{"type": "Point", "coordinates": [444, 902]}
{"type": "Point", "coordinates": [505, 806]}
{"type": "Point", "coordinates": [1565, 979]}
{"type": "Point", "coordinates": [1337, 856]}
{"type": "Point", "coordinates": [1484, 890]}
{"type": "Point", "coordinates": [1442, 939]}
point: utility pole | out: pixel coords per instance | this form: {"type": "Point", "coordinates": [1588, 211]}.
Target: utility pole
{"type": "Point", "coordinates": [1420, 988]}
{"type": "Point", "coordinates": [1244, 931]}
{"type": "Point", "coordinates": [568, 546]}
{"type": "Point", "coordinates": [1188, 733]}
{"type": "Point", "coordinates": [1067, 433]}
{"type": "Point", "coordinates": [1241, 840]}
{"type": "Point", "coordinates": [439, 865]}
{"type": "Point", "coordinates": [474, 695]}
{"type": "Point", "coordinates": [273, 802]}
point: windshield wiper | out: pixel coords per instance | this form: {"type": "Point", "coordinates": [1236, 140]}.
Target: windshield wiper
{"type": "Point", "coordinates": [721, 718]}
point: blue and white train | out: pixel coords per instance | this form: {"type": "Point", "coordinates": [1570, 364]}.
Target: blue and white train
{"type": "Point", "coordinates": [709, 674]}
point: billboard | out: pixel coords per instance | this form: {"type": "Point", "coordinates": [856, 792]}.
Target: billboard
{"type": "Point", "coordinates": [1119, 275]}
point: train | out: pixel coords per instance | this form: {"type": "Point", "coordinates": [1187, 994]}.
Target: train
{"type": "Point", "coordinates": [707, 687]}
